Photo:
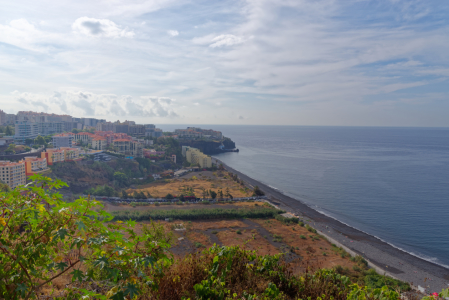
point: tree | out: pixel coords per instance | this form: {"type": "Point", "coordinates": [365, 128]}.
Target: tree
{"type": "Point", "coordinates": [27, 148]}
{"type": "Point", "coordinates": [39, 140]}
{"type": "Point", "coordinates": [4, 187]}
{"type": "Point", "coordinates": [220, 194]}
{"type": "Point", "coordinates": [136, 195]}
{"type": "Point", "coordinates": [44, 238]}
{"type": "Point", "coordinates": [257, 191]}
{"type": "Point", "coordinates": [28, 141]}
{"type": "Point", "coordinates": [74, 130]}
{"type": "Point", "coordinates": [149, 195]}
{"type": "Point", "coordinates": [213, 194]}
{"type": "Point", "coordinates": [124, 195]}
{"type": "Point", "coordinates": [181, 198]}
{"type": "Point", "coordinates": [11, 149]}
{"type": "Point", "coordinates": [220, 167]}
{"type": "Point", "coordinates": [8, 131]}
{"type": "Point", "coordinates": [169, 196]}
{"type": "Point", "coordinates": [121, 178]}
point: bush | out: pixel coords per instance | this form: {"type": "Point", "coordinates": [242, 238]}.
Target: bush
{"type": "Point", "coordinates": [238, 231]}
{"type": "Point", "coordinates": [54, 239]}
{"type": "Point", "coordinates": [302, 237]}
{"type": "Point", "coordinates": [286, 221]}
{"type": "Point", "coordinates": [310, 228]}
{"type": "Point", "coordinates": [195, 214]}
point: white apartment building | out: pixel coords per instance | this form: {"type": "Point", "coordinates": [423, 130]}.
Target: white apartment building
{"type": "Point", "coordinates": [12, 173]}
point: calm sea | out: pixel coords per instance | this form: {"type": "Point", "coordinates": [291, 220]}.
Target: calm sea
{"type": "Point", "coordinates": [392, 183]}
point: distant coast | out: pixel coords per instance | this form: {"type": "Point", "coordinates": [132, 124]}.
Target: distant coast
{"type": "Point", "coordinates": [422, 274]}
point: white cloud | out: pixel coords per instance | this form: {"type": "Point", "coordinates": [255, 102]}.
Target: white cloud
{"type": "Point", "coordinates": [226, 40]}
{"type": "Point", "coordinates": [100, 28]}
{"type": "Point", "coordinates": [84, 103]}
{"type": "Point", "coordinates": [173, 32]}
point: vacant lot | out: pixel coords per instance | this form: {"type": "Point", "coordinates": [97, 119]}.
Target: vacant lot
{"type": "Point", "coordinates": [264, 236]}
{"type": "Point", "coordinates": [198, 182]}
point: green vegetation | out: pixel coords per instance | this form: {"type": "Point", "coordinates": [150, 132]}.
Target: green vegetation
{"type": "Point", "coordinates": [287, 221]}
{"type": "Point", "coordinates": [257, 191]}
{"type": "Point", "coordinates": [101, 190]}
{"type": "Point", "coordinates": [43, 239]}
{"type": "Point", "coordinates": [196, 214]}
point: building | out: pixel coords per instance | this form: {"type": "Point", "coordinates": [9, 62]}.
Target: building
{"type": "Point", "coordinates": [63, 140]}
{"type": "Point", "coordinates": [34, 164]}
{"type": "Point", "coordinates": [121, 128]}
{"type": "Point", "coordinates": [5, 141]}
{"type": "Point", "coordinates": [173, 158]}
{"type": "Point", "coordinates": [84, 137]}
{"type": "Point", "coordinates": [2, 117]}
{"type": "Point", "coordinates": [47, 128]}
{"type": "Point", "coordinates": [26, 130]}
{"type": "Point", "coordinates": [70, 154]}
{"type": "Point", "coordinates": [196, 157]}
{"type": "Point", "coordinates": [54, 156]}
{"type": "Point", "coordinates": [107, 126]}
{"type": "Point", "coordinates": [12, 173]}
{"type": "Point", "coordinates": [136, 130]}
{"type": "Point", "coordinates": [128, 147]}
{"type": "Point", "coordinates": [99, 143]}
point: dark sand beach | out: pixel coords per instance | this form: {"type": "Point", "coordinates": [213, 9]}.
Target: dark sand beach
{"type": "Point", "coordinates": [422, 274]}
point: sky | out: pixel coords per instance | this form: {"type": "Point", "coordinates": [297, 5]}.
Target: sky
{"type": "Point", "coordinates": [283, 62]}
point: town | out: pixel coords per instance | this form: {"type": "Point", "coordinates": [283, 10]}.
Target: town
{"type": "Point", "coordinates": [32, 142]}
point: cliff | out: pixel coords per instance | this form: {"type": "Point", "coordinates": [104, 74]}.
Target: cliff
{"type": "Point", "coordinates": [209, 147]}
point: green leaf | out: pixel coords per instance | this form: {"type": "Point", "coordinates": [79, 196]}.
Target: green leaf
{"type": "Point", "coordinates": [118, 296]}
{"type": "Point", "coordinates": [81, 226]}
{"type": "Point", "coordinates": [77, 274]}
{"type": "Point", "coordinates": [149, 260]}
{"type": "Point", "coordinates": [131, 290]}
{"type": "Point", "coordinates": [118, 249]}
{"type": "Point", "coordinates": [22, 288]}
{"type": "Point", "coordinates": [101, 261]}
{"type": "Point", "coordinates": [61, 266]}
{"type": "Point", "coordinates": [61, 233]}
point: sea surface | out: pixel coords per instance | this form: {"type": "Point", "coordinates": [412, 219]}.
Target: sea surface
{"type": "Point", "coordinates": [392, 183]}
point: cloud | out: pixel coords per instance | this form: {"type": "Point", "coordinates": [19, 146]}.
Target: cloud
{"type": "Point", "coordinates": [100, 28]}
{"type": "Point", "coordinates": [82, 103]}
{"type": "Point", "coordinates": [173, 32]}
{"type": "Point", "coordinates": [226, 40]}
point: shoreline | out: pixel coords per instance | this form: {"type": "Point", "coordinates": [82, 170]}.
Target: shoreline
{"type": "Point", "coordinates": [423, 275]}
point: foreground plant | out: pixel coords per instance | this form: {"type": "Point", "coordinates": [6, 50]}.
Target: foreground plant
{"type": "Point", "coordinates": [43, 238]}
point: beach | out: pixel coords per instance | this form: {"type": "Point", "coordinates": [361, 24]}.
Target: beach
{"type": "Point", "coordinates": [385, 258]}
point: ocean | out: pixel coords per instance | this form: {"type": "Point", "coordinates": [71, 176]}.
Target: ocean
{"type": "Point", "coordinates": [392, 183]}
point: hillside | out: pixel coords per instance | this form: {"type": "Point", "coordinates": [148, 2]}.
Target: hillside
{"type": "Point", "coordinates": [78, 250]}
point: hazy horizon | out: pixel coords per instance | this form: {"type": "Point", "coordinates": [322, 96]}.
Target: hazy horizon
{"type": "Point", "coordinates": [255, 62]}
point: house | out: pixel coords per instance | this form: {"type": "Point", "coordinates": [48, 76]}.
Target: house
{"type": "Point", "coordinates": [53, 156]}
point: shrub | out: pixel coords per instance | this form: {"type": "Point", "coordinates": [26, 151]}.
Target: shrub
{"type": "Point", "coordinates": [214, 232]}
{"type": "Point", "coordinates": [302, 237]}
{"type": "Point", "coordinates": [238, 231]}
{"type": "Point", "coordinates": [71, 238]}
{"type": "Point", "coordinates": [310, 228]}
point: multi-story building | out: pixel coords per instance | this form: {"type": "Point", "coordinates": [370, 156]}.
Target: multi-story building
{"type": "Point", "coordinates": [2, 117]}
{"type": "Point", "coordinates": [47, 128]}
{"type": "Point", "coordinates": [136, 130]}
{"type": "Point", "coordinates": [99, 143]}
{"type": "Point", "coordinates": [107, 126]}
{"type": "Point", "coordinates": [196, 157]}
{"type": "Point", "coordinates": [121, 128]}
{"type": "Point", "coordinates": [54, 156]}
{"type": "Point", "coordinates": [85, 137]}
{"type": "Point", "coordinates": [11, 119]}
{"type": "Point", "coordinates": [12, 173]}
{"type": "Point", "coordinates": [63, 140]}
{"type": "Point", "coordinates": [34, 164]}
{"type": "Point", "coordinates": [128, 147]}
{"type": "Point", "coordinates": [70, 154]}
{"type": "Point", "coordinates": [26, 130]}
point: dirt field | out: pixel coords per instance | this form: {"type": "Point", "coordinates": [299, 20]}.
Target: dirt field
{"type": "Point", "coordinates": [263, 236]}
{"type": "Point", "coordinates": [198, 181]}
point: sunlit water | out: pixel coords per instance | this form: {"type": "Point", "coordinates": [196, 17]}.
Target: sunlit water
{"type": "Point", "coordinates": [389, 182]}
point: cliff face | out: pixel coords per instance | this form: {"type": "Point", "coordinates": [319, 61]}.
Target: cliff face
{"type": "Point", "coordinates": [207, 147]}
{"type": "Point", "coordinates": [228, 143]}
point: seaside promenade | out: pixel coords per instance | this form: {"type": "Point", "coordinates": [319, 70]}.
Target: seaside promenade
{"type": "Point", "coordinates": [386, 259]}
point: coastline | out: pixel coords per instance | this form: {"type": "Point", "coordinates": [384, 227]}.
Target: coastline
{"type": "Point", "coordinates": [385, 258]}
